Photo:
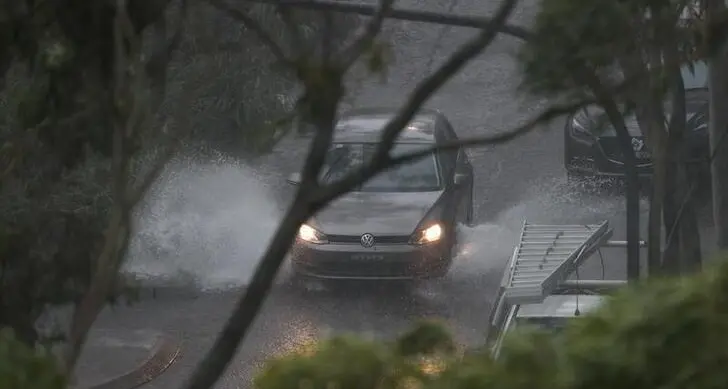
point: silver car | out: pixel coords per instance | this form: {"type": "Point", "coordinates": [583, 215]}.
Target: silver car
{"type": "Point", "coordinates": [403, 223]}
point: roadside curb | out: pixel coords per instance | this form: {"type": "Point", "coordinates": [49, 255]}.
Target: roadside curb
{"type": "Point", "coordinates": [162, 355]}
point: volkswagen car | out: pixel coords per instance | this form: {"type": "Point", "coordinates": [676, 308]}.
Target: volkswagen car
{"type": "Point", "coordinates": [401, 224]}
{"type": "Point", "coordinates": [591, 150]}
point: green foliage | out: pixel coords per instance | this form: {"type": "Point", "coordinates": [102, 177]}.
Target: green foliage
{"type": "Point", "coordinates": [567, 34]}
{"type": "Point", "coordinates": [349, 362]}
{"type": "Point", "coordinates": [427, 338]}
{"type": "Point", "coordinates": [55, 131]}
{"type": "Point", "coordinates": [225, 79]}
{"type": "Point", "coordinates": [379, 56]}
{"type": "Point", "coordinates": [23, 367]}
{"type": "Point", "coordinates": [665, 333]}
{"type": "Point", "coordinates": [52, 219]}
{"type": "Point", "coordinates": [598, 36]}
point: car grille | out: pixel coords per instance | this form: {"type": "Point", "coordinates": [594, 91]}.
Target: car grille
{"type": "Point", "coordinates": [375, 268]}
{"type": "Point", "coordinates": [612, 151]}
{"type": "Point", "coordinates": [378, 239]}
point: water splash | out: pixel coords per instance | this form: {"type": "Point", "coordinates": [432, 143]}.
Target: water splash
{"type": "Point", "coordinates": [487, 247]}
{"type": "Point", "coordinates": [203, 223]}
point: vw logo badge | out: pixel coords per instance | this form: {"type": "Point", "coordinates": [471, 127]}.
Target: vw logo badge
{"type": "Point", "coordinates": [367, 240]}
{"type": "Point", "coordinates": [637, 144]}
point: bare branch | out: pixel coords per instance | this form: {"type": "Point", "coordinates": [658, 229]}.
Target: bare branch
{"type": "Point", "coordinates": [365, 38]}
{"type": "Point", "coordinates": [330, 192]}
{"type": "Point", "coordinates": [254, 26]}
{"type": "Point", "coordinates": [402, 14]}
{"type": "Point", "coordinates": [425, 89]}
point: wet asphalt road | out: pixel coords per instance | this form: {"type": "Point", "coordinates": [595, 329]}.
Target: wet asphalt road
{"type": "Point", "coordinates": [523, 179]}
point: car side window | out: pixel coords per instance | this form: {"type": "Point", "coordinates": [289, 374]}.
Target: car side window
{"type": "Point", "coordinates": [448, 163]}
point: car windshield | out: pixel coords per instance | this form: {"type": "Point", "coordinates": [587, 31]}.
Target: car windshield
{"type": "Point", "coordinates": [421, 175]}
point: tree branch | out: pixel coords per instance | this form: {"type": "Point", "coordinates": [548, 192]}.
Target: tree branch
{"type": "Point", "coordinates": [402, 14]}
{"type": "Point", "coordinates": [366, 37]}
{"type": "Point", "coordinates": [332, 191]}
{"type": "Point", "coordinates": [425, 89]}
{"type": "Point", "coordinates": [254, 26]}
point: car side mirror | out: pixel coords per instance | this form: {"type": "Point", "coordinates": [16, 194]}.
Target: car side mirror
{"type": "Point", "coordinates": [294, 178]}
{"type": "Point", "coordinates": [459, 179]}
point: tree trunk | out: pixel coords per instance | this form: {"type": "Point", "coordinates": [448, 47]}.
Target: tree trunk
{"type": "Point", "coordinates": [670, 211]}
{"type": "Point", "coordinates": [718, 84]}
{"type": "Point", "coordinates": [630, 169]}
{"type": "Point", "coordinates": [649, 117]}
{"type": "Point", "coordinates": [682, 251]}
{"type": "Point", "coordinates": [690, 251]}
{"type": "Point", "coordinates": [657, 200]}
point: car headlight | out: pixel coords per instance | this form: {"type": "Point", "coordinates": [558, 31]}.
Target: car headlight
{"type": "Point", "coordinates": [431, 234]}
{"type": "Point", "coordinates": [580, 123]}
{"type": "Point", "coordinates": [310, 234]}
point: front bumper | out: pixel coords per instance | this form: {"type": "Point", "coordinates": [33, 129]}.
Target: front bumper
{"type": "Point", "coordinates": [598, 158]}
{"type": "Point", "coordinates": [381, 262]}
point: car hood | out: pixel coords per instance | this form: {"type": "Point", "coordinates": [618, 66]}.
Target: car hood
{"type": "Point", "coordinates": [357, 213]}
{"type": "Point", "coordinates": [696, 119]}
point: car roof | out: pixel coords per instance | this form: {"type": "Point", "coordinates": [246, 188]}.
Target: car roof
{"type": "Point", "coordinates": [561, 306]}
{"type": "Point", "coordinates": [364, 125]}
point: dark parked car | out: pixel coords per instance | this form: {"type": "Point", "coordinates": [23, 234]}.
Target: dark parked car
{"type": "Point", "coordinates": [401, 224]}
{"type": "Point", "coordinates": [593, 152]}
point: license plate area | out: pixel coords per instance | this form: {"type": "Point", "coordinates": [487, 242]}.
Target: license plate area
{"type": "Point", "coordinates": [642, 154]}
{"type": "Point", "coordinates": [367, 257]}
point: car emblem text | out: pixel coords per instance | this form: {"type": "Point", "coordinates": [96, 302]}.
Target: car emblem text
{"type": "Point", "coordinates": [637, 144]}
{"type": "Point", "coordinates": [367, 240]}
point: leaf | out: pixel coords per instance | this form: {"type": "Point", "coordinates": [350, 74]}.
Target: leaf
{"type": "Point", "coordinates": [427, 337]}
{"type": "Point", "coordinates": [22, 367]}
